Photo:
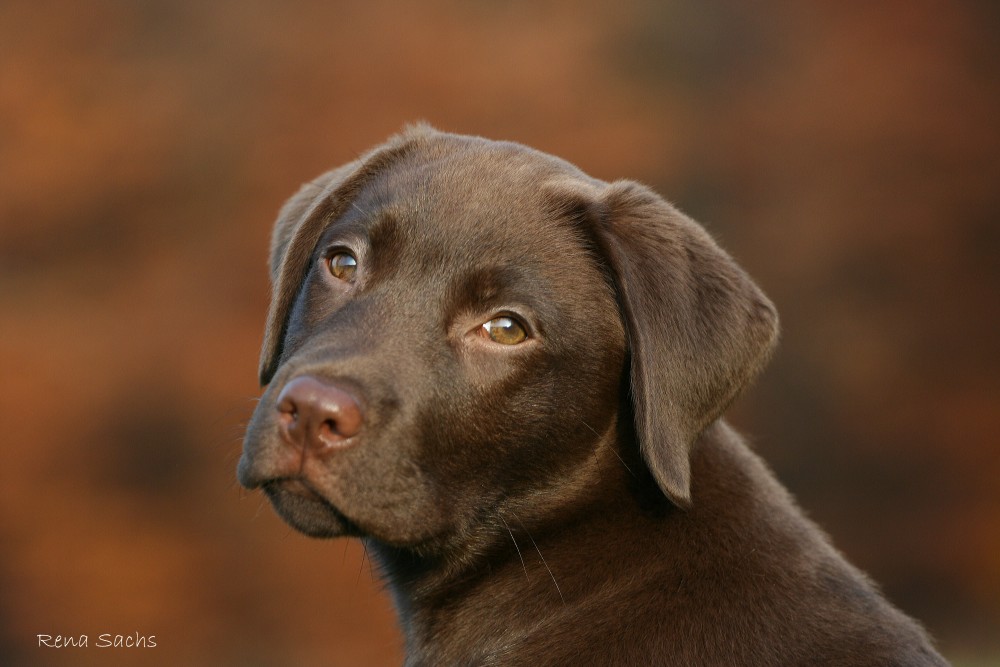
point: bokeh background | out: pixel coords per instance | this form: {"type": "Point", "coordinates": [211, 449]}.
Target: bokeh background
{"type": "Point", "coordinates": [847, 153]}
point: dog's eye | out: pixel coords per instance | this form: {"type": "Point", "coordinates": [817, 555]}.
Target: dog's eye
{"type": "Point", "coordinates": [342, 265]}
{"type": "Point", "coordinates": [505, 330]}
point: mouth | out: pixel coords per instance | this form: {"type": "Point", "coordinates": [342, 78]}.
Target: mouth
{"type": "Point", "coordinates": [306, 510]}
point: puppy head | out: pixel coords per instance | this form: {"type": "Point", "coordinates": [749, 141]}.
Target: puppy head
{"type": "Point", "coordinates": [429, 289]}
{"type": "Point", "coordinates": [471, 307]}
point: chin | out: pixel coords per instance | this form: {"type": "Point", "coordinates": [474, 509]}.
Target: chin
{"type": "Point", "coordinates": [308, 512]}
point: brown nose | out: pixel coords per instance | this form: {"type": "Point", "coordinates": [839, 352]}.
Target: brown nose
{"type": "Point", "coordinates": [313, 415]}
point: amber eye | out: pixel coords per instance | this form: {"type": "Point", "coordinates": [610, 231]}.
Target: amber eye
{"type": "Point", "coordinates": [342, 265]}
{"type": "Point", "coordinates": [505, 330]}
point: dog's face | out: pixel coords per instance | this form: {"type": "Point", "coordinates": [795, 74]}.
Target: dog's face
{"type": "Point", "coordinates": [451, 328]}
{"type": "Point", "coordinates": [474, 330]}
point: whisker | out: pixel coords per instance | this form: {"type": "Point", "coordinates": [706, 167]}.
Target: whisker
{"type": "Point", "coordinates": [371, 566]}
{"type": "Point", "coordinates": [613, 451]}
{"type": "Point", "coordinates": [594, 452]}
{"type": "Point", "coordinates": [553, 577]}
{"type": "Point", "coordinates": [260, 507]}
{"type": "Point", "coordinates": [364, 556]}
{"type": "Point", "coordinates": [523, 566]}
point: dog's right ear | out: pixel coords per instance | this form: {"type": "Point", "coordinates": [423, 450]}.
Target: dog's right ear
{"type": "Point", "coordinates": [301, 223]}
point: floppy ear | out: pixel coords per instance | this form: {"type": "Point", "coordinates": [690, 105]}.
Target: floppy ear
{"type": "Point", "coordinates": [294, 212]}
{"type": "Point", "coordinates": [699, 329]}
{"type": "Point", "coordinates": [300, 224]}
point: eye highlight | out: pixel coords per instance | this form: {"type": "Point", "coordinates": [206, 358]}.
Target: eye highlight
{"type": "Point", "coordinates": [504, 330]}
{"type": "Point", "coordinates": [342, 265]}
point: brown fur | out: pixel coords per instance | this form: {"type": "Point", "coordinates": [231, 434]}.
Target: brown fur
{"type": "Point", "coordinates": [575, 499]}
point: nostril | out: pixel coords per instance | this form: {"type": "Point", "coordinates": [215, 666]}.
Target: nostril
{"type": "Point", "coordinates": [288, 417]}
{"type": "Point", "coordinates": [348, 420]}
{"type": "Point", "coordinates": [286, 403]}
{"type": "Point", "coordinates": [288, 412]}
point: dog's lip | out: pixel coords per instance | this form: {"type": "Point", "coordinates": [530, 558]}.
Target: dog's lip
{"type": "Point", "coordinates": [297, 486]}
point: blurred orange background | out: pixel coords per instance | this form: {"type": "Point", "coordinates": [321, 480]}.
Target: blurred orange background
{"type": "Point", "coordinates": [848, 154]}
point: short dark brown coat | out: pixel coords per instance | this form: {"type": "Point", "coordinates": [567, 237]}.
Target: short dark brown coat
{"type": "Point", "coordinates": [573, 500]}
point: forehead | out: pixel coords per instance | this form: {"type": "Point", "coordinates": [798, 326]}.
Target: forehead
{"type": "Point", "coordinates": [469, 202]}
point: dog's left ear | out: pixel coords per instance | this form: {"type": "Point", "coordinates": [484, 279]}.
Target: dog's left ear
{"type": "Point", "coordinates": [698, 328]}
{"type": "Point", "coordinates": [296, 210]}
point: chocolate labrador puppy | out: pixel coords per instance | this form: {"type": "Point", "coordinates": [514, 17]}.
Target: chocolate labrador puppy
{"type": "Point", "coordinates": [507, 377]}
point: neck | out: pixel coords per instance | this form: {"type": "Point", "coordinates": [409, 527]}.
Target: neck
{"type": "Point", "coordinates": [524, 566]}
